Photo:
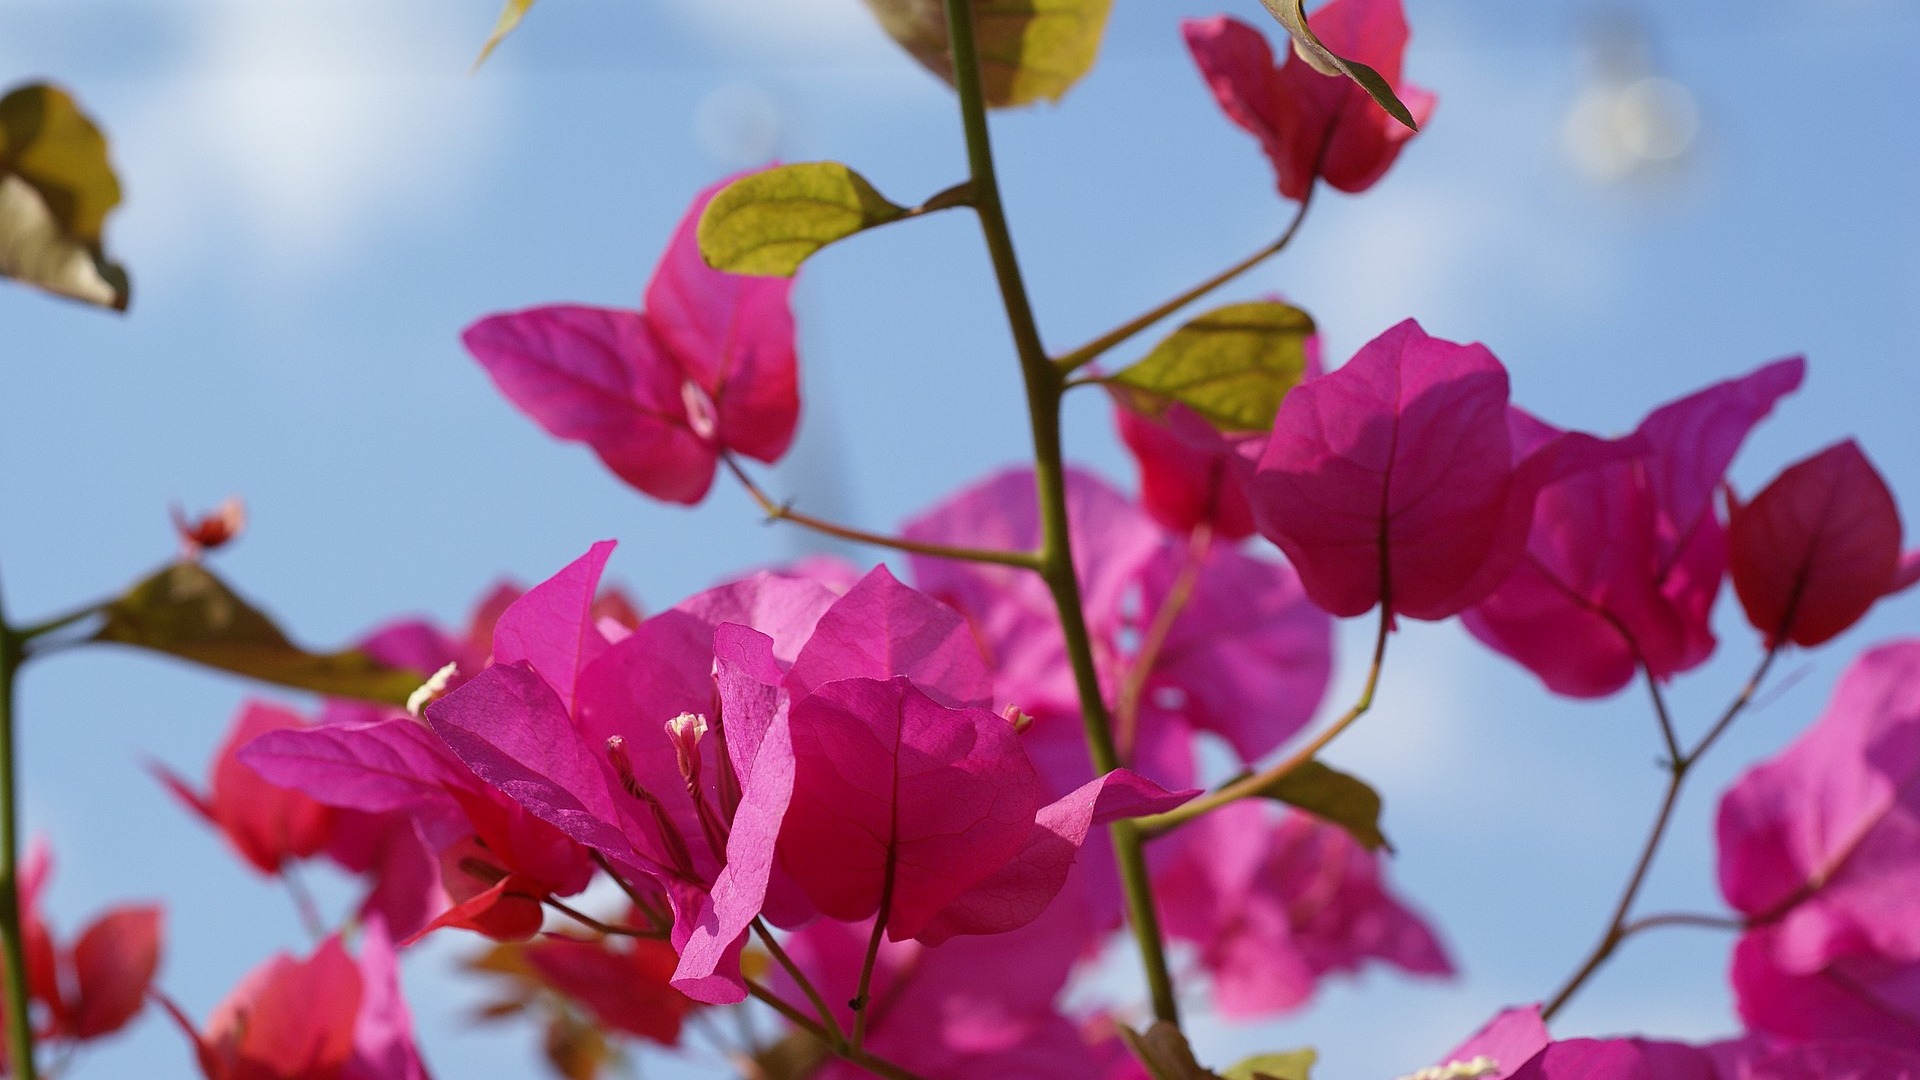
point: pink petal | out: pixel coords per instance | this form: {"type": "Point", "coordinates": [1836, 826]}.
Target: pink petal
{"type": "Point", "coordinates": [733, 336]}
{"type": "Point", "coordinates": [1509, 1040]}
{"type": "Point", "coordinates": [1016, 894]}
{"type": "Point", "coordinates": [1814, 550]}
{"type": "Point", "coordinates": [551, 625]}
{"type": "Point", "coordinates": [513, 732]}
{"type": "Point", "coordinates": [383, 1045]}
{"type": "Point", "coordinates": [113, 965]}
{"type": "Point", "coordinates": [1393, 478]}
{"type": "Point", "coordinates": [710, 957]}
{"type": "Point", "coordinates": [1181, 485]}
{"type": "Point", "coordinates": [600, 376]}
{"type": "Point", "coordinates": [882, 628]}
{"type": "Point", "coordinates": [901, 802]}
{"type": "Point", "coordinates": [783, 607]}
{"type": "Point", "coordinates": [381, 767]}
{"type": "Point", "coordinates": [1249, 656]}
{"type": "Point", "coordinates": [1618, 1059]}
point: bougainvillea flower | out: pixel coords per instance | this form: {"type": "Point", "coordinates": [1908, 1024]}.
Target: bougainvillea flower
{"type": "Point", "coordinates": [322, 1018]}
{"type": "Point", "coordinates": [1246, 656]}
{"type": "Point", "coordinates": [267, 824]}
{"type": "Point", "coordinates": [1617, 1059]}
{"type": "Point", "coordinates": [702, 798]}
{"type": "Point", "coordinates": [96, 985]}
{"type": "Point", "coordinates": [1273, 904]}
{"type": "Point", "coordinates": [1758, 1058]}
{"type": "Point", "coordinates": [1314, 126]}
{"type": "Point", "coordinates": [973, 1007]}
{"type": "Point", "coordinates": [1185, 486]}
{"type": "Point", "coordinates": [1394, 479]}
{"type": "Point", "coordinates": [1820, 849]}
{"type": "Point", "coordinates": [658, 394]}
{"type": "Point", "coordinates": [1186, 483]}
{"type": "Point", "coordinates": [1625, 560]}
{"type": "Point", "coordinates": [623, 985]}
{"type": "Point", "coordinates": [1817, 547]}
{"type": "Point", "coordinates": [1498, 1050]}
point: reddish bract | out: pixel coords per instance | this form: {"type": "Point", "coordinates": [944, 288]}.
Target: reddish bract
{"type": "Point", "coordinates": [1816, 548]}
{"type": "Point", "coordinates": [267, 824]}
{"type": "Point", "coordinates": [1311, 125]}
{"type": "Point", "coordinates": [98, 984]}
{"type": "Point", "coordinates": [659, 394]}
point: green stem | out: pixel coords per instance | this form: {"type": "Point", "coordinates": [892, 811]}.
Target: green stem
{"type": "Point", "coordinates": [1045, 383]}
{"type": "Point", "coordinates": [19, 1025]}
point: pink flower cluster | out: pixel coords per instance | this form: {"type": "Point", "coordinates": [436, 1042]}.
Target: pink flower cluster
{"type": "Point", "coordinates": [821, 784]}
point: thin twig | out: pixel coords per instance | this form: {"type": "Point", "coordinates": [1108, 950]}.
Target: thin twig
{"type": "Point", "coordinates": [1618, 927]}
{"type": "Point", "coordinates": [1159, 824]}
{"type": "Point", "coordinates": [1126, 712]}
{"type": "Point", "coordinates": [779, 511]}
{"type": "Point", "coordinates": [873, 1063]}
{"type": "Point", "coordinates": [1099, 346]}
{"type": "Point", "coordinates": [800, 979]}
{"type": "Point", "coordinates": [19, 1021]}
{"type": "Point", "coordinates": [597, 926]}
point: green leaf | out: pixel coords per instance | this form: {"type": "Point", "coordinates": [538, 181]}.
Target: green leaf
{"type": "Point", "coordinates": [1326, 792]}
{"type": "Point", "coordinates": [185, 611]}
{"type": "Point", "coordinates": [1165, 1053]}
{"type": "Point", "coordinates": [768, 223]}
{"type": "Point", "coordinates": [56, 188]}
{"type": "Point", "coordinates": [1231, 366]}
{"type": "Point", "coordinates": [1293, 15]}
{"type": "Point", "coordinates": [1292, 1065]}
{"type": "Point", "coordinates": [1030, 50]}
{"type": "Point", "coordinates": [509, 20]}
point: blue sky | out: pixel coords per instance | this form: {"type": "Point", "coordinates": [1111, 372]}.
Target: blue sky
{"type": "Point", "coordinates": [320, 197]}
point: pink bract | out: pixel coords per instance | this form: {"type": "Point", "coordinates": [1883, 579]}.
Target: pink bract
{"type": "Point", "coordinates": [1395, 480]}
{"type": "Point", "coordinates": [1311, 125]}
{"type": "Point", "coordinates": [1274, 904]}
{"type": "Point", "coordinates": [1625, 560]}
{"type": "Point", "coordinates": [708, 368]}
{"type": "Point", "coordinates": [1820, 849]}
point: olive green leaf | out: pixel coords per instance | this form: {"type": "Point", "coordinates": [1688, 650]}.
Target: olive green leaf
{"type": "Point", "coordinates": [56, 188]}
{"type": "Point", "coordinates": [1165, 1052]}
{"type": "Point", "coordinates": [509, 21]}
{"type": "Point", "coordinates": [769, 222]}
{"type": "Point", "coordinates": [1292, 1065]}
{"type": "Point", "coordinates": [1293, 15]}
{"type": "Point", "coordinates": [187, 612]}
{"type": "Point", "coordinates": [1029, 49]}
{"type": "Point", "coordinates": [1232, 366]}
{"type": "Point", "coordinates": [1328, 793]}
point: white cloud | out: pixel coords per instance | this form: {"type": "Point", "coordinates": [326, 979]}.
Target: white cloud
{"type": "Point", "coordinates": [310, 123]}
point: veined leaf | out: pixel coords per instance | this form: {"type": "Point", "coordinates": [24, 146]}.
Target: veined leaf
{"type": "Point", "coordinates": [1231, 366]}
{"type": "Point", "coordinates": [56, 189]}
{"type": "Point", "coordinates": [769, 222]}
{"type": "Point", "coordinates": [185, 611]}
{"type": "Point", "coordinates": [1326, 792]}
{"type": "Point", "coordinates": [1292, 1065]}
{"type": "Point", "coordinates": [509, 20]}
{"type": "Point", "coordinates": [1029, 49]}
{"type": "Point", "coordinates": [1293, 15]}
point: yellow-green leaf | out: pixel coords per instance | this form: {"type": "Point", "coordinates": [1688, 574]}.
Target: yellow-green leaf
{"type": "Point", "coordinates": [1029, 49]}
{"type": "Point", "coordinates": [1292, 1065]}
{"type": "Point", "coordinates": [185, 611]}
{"type": "Point", "coordinates": [1328, 793]}
{"type": "Point", "coordinates": [1293, 15]}
{"type": "Point", "coordinates": [509, 20]}
{"type": "Point", "coordinates": [56, 188]}
{"type": "Point", "coordinates": [1231, 366]}
{"type": "Point", "coordinates": [769, 222]}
